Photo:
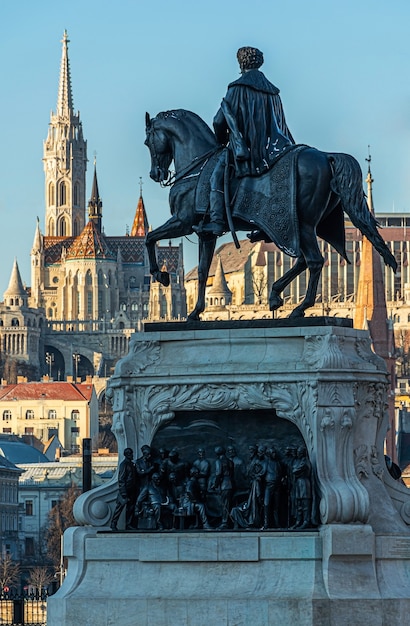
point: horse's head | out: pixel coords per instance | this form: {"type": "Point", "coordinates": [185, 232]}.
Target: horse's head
{"type": "Point", "coordinates": [160, 149]}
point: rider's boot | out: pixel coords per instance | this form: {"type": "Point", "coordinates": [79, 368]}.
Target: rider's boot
{"type": "Point", "coordinates": [216, 225]}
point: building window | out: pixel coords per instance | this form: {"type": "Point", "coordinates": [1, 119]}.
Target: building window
{"type": "Point", "coordinates": [89, 303]}
{"type": "Point", "coordinates": [54, 503]}
{"type": "Point", "coordinates": [29, 431]}
{"type": "Point", "coordinates": [29, 546]}
{"type": "Point", "coordinates": [28, 507]}
{"type": "Point", "coordinates": [63, 228]}
{"type": "Point", "coordinates": [7, 431]}
{"type": "Point", "coordinates": [76, 430]}
{"type": "Point", "coordinates": [29, 414]}
{"type": "Point", "coordinates": [76, 194]}
{"type": "Point", "coordinates": [75, 415]}
{"type": "Point", "coordinates": [52, 414]}
{"type": "Point", "coordinates": [63, 194]}
{"type": "Point", "coordinates": [51, 194]}
{"type": "Point", "coordinates": [7, 415]}
{"type": "Point", "coordinates": [14, 321]}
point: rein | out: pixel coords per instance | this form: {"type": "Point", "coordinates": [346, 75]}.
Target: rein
{"type": "Point", "coordinates": [174, 178]}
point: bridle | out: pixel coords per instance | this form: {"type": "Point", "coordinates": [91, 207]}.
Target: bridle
{"type": "Point", "coordinates": [173, 177]}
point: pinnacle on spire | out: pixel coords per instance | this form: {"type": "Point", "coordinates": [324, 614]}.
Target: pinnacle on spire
{"type": "Point", "coordinates": [65, 97]}
{"type": "Point", "coordinates": [140, 225]}
{"type": "Point", "coordinates": [95, 202]}
{"type": "Point", "coordinates": [38, 240]}
{"type": "Point", "coordinates": [369, 181]}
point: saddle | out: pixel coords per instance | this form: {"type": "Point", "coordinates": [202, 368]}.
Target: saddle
{"type": "Point", "coordinates": [267, 202]}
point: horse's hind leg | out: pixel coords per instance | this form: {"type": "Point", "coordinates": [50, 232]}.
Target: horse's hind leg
{"type": "Point", "coordinates": [314, 262]}
{"type": "Point", "coordinates": [275, 300]}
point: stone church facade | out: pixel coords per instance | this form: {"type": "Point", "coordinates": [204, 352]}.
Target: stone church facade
{"type": "Point", "coordinates": [89, 291]}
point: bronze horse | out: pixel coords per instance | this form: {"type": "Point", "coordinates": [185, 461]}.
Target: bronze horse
{"type": "Point", "coordinates": [325, 185]}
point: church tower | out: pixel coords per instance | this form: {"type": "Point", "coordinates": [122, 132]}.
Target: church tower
{"type": "Point", "coordinates": [65, 161]}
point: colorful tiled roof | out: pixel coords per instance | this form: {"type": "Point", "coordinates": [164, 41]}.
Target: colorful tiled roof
{"type": "Point", "coordinates": [90, 244]}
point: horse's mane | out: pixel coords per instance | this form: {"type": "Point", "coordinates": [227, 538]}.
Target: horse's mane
{"type": "Point", "coordinates": [187, 116]}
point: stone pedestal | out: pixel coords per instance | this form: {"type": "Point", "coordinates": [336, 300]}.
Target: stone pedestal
{"type": "Point", "coordinates": [323, 379]}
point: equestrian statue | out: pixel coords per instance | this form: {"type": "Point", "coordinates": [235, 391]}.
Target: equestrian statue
{"type": "Point", "coordinates": [249, 175]}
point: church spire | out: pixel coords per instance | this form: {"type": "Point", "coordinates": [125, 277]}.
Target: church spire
{"type": "Point", "coordinates": [65, 97]}
{"type": "Point", "coordinates": [65, 161]}
{"type": "Point", "coordinates": [371, 313]}
{"type": "Point", "coordinates": [95, 202]}
{"type": "Point", "coordinates": [140, 225]}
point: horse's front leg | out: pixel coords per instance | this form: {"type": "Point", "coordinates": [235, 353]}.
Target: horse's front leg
{"type": "Point", "coordinates": [206, 252]}
{"type": "Point", "coordinates": [171, 229]}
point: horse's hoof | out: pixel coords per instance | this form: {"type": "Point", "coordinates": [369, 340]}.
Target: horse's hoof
{"type": "Point", "coordinates": [162, 277]}
{"type": "Point", "coordinates": [275, 301]}
{"type": "Point", "coordinates": [194, 317]}
{"type": "Point", "coordinates": [296, 314]}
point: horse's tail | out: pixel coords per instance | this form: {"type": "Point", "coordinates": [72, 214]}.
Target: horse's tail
{"type": "Point", "coordinates": [347, 184]}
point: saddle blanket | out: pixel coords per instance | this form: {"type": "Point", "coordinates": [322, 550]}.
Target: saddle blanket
{"type": "Point", "coordinates": [269, 202]}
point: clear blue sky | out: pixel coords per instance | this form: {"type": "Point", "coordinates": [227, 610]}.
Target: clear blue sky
{"type": "Point", "coordinates": [342, 68]}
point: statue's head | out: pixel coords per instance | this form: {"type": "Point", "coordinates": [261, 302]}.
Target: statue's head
{"type": "Point", "coordinates": [128, 453]}
{"type": "Point", "coordinates": [249, 58]}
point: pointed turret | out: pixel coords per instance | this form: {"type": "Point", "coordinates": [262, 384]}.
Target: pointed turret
{"type": "Point", "coordinates": [15, 294]}
{"type": "Point", "coordinates": [38, 240]}
{"type": "Point", "coordinates": [95, 203]}
{"type": "Point", "coordinates": [65, 96]}
{"type": "Point", "coordinates": [219, 294]}
{"type": "Point", "coordinates": [371, 313]}
{"type": "Point", "coordinates": [140, 224]}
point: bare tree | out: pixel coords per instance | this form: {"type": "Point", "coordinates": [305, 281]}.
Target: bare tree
{"type": "Point", "coordinates": [60, 517]}
{"type": "Point", "coordinates": [259, 284]}
{"type": "Point", "coordinates": [9, 572]}
{"type": "Point", "coordinates": [40, 578]}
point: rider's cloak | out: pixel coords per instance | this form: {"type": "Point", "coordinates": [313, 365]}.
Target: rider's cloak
{"type": "Point", "coordinates": [257, 107]}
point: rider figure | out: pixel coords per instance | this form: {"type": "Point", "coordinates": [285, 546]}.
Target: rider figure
{"type": "Point", "coordinates": [252, 120]}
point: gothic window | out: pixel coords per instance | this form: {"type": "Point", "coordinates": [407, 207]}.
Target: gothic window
{"type": "Point", "coordinates": [123, 306]}
{"type": "Point", "coordinates": [51, 194]}
{"type": "Point", "coordinates": [76, 194]}
{"type": "Point", "coordinates": [88, 279]}
{"type": "Point", "coordinates": [63, 227]}
{"type": "Point", "coordinates": [15, 322]}
{"type": "Point", "coordinates": [134, 306]}
{"type": "Point", "coordinates": [76, 228]}
{"type": "Point", "coordinates": [7, 415]}
{"type": "Point", "coordinates": [63, 194]}
{"type": "Point", "coordinates": [89, 303]}
{"type": "Point", "coordinates": [29, 414]}
{"type": "Point", "coordinates": [51, 230]}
